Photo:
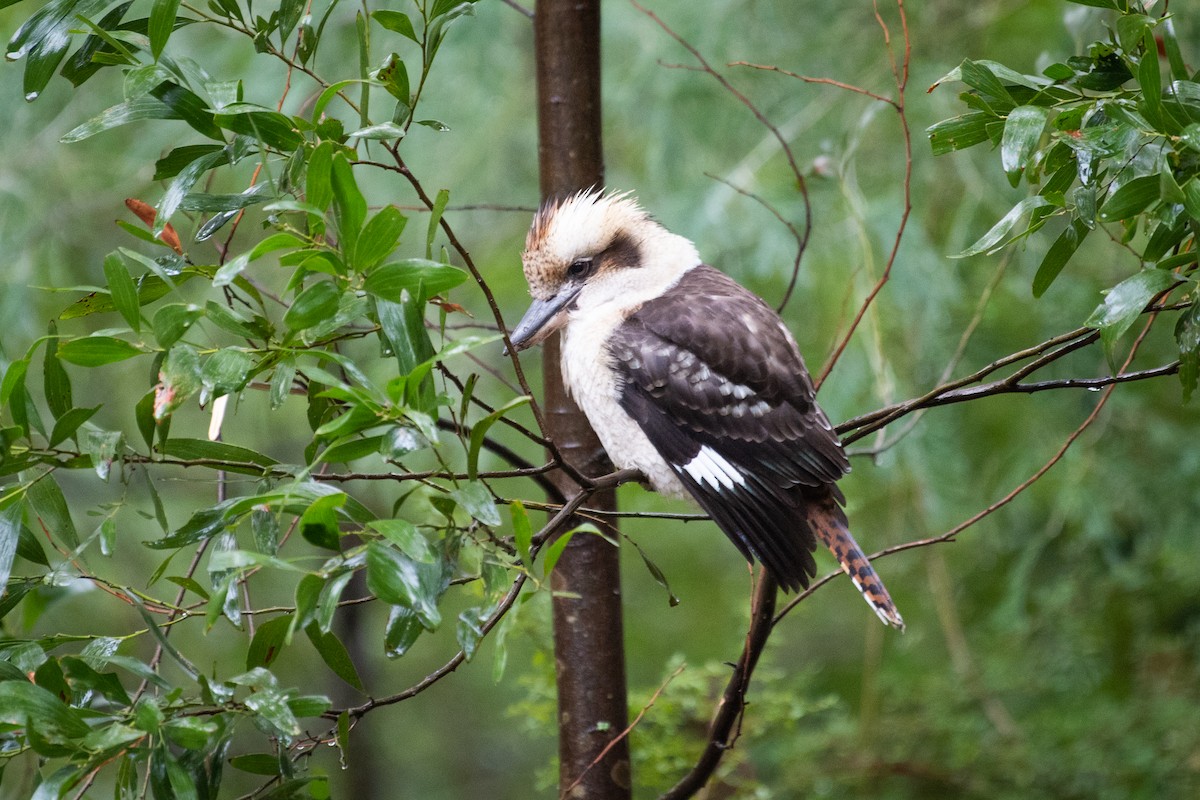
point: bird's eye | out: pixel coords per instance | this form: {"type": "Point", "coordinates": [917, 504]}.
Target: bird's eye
{"type": "Point", "coordinates": [579, 268]}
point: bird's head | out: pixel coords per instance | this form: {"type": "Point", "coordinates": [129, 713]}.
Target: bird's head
{"type": "Point", "coordinates": [591, 252]}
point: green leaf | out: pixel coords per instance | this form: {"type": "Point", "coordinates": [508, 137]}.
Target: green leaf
{"type": "Point", "coordinates": [1125, 302]}
{"type": "Point", "coordinates": [10, 539]}
{"type": "Point", "coordinates": [477, 501]}
{"type": "Point", "coordinates": [182, 184]}
{"type": "Point", "coordinates": [318, 186]}
{"type": "Point", "coordinates": [1187, 335]}
{"type": "Point", "coordinates": [435, 218]}
{"type": "Point", "coordinates": [69, 422]}
{"type": "Point", "coordinates": [404, 535]}
{"type": "Point", "coordinates": [412, 275]}
{"type": "Point", "coordinates": [203, 449]}
{"type": "Point", "coordinates": [398, 580]}
{"type": "Point", "coordinates": [319, 523]}
{"type": "Point", "coordinates": [226, 371]}
{"type": "Point", "coordinates": [522, 532]}
{"type": "Point", "coordinates": [1131, 198]}
{"type": "Point", "coordinates": [141, 108]}
{"type": "Point", "coordinates": [24, 704]}
{"type": "Point", "coordinates": [192, 733]}
{"type": "Point", "coordinates": [272, 128]}
{"type": "Point", "coordinates": [56, 383]}
{"type": "Point", "coordinates": [94, 351]}
{"type": "Point", "coordinates": [170, 165]}
{"type": "Point", "coordinates": [349, 207]}
{"type": "Point", "coordinates": [1022, 131]}
{"type": "Point", "coordinates": [187, 106]}
{"type": "Point", "coordinates": [268, 642]}
{"type": "Point", "coordinates": [172, 321]}
{"type": "Point", "coordinates": [959, 133]}
{"type": "Point", "coordinates": [335, 655]}
{"type": "Point", "coordinates": [314, 305]}
{"type": "Point", "coordinates": [480, 429]}
{"type": "Point", "coordinates": [556, 548]}
{"type": "Point", "coordinates": [271, 706]}
{"type": "Point", "coordinates": [994, 239]}
{"type": "Point", "coordinates": [122, 290]}
{"type": "Point", "coordinates": [49, 504]}
{"type": "Point", "coordinates": [403, 629]}
{"type": "Point", "coordinates": [383, 131]}
{"type": "Point", "coordinates": [44, 39]}
{"type": "Point", "coordinates": [396, 22]}
{"type": "Point", "coordinates": [162, 22]}
{"type": "Point", "coordinates": [1058, 255]}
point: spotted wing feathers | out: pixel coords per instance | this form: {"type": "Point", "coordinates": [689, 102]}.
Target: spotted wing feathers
{"type": "Point", "coordinates": [717, 384]}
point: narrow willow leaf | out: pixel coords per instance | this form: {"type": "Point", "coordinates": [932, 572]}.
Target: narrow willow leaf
{"type": "Point", "coordinates": [94, 351]}
{"type": "Point", "coordinates": [403, 629]}
{"type": "Point", "coordinates": [49, 504]}
{"type": "Point", "coordinates": [314, 305]}
{"type": "Point", "coordinates": [1131, 198]}
{"type": "Point", "coordinates": [397, 22]}
{"type": "Point", "coordinates": [56, 383]}
{"type": "Point", "coordinates": [319, 523]}
{"type": "Point", "coordinates": [398, 580]}
{"type": "Point", "coordinates": [318, 183]}
{"type": "Point", "coordinates": [226, 371]}
{"type": "Point", "coordinates": [477, 501]}
{"type": "Point", "coordinates": [1022, 130]}
{"type": "Point", "coordinates": [162, 22]}
{"type": "Point", "coordinates": [203, 449]}
{"type": "Point", "coordinates": [480, 429]}
{"type": "Point", "coordinates": [522, 532]}
{"type": "Point", "coordinates": [1125, 302]}
{"type": "Point", "coordinates": [172, 321]}
{"type": "Point", "coordinates": [994, 239]}
{"type": "Point", "coordinates": [1058, 255]}
{"type": "Point", "coordinates": [182, 184]}
{"type": "Point", "coordinates": [383, 131]}
{"type": "Point", "coordinates": [272, 128]}
{"type": "Point", "coordinates": [268, 642]}
{"type": "Point", "coordinates": [10, 538]}
{"type": "Point", "coordinates": [405, 535]}
{"type": "Point", "coordinates": [959, 133]}
{"type": "Point", "coordinates": [335, 655]}
{"type": "Point", "coordinates": [349, 207]}
{"type": "Point", "coordinates": [435, 218]}
{"type": "Point", "coordinates": [412, 275]}
{"type": "Point", "coordinates": [122, 290]}
{"type": "Point", "coordinates": [1187, 334]}
{"type": "Point", "coordinates": [69, 422]}
{"type": "Point", "coordinates": [25, 704]}
{"type": "Point", "coordinates": [379, 237]}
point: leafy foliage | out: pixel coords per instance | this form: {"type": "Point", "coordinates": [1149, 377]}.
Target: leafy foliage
{"type": "Point", "coordinates": [1110, 142]}
{"type": "Point", "coordinates": [286, 316]}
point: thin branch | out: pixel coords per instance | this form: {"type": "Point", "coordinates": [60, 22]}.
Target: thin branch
{"type": "Point", "coordinates": [723, 731]}
{"type": "Point", "coordinates": [901, 75]}
{"type": "Point", "coordinates": [801, 184]}
{"type": "Point", "coordinates": [566, 793]}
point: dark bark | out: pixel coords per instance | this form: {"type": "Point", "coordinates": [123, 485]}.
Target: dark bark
{"type": "Point", "coordinates": [589, 646]}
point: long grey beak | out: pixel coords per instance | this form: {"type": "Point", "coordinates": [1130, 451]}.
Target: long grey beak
{"type": "Point", "coordinates": [542, 318]}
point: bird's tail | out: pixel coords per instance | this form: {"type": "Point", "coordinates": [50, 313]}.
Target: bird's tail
{"type": "Point", "coordinates": [828, 522]}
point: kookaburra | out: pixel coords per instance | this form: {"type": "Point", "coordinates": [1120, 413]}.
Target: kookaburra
{"type": "Point", "coordinates": [692, 380]}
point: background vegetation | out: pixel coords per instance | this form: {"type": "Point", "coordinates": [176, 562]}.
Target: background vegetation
{"type": "Point", "coordinates": [1051, 651]}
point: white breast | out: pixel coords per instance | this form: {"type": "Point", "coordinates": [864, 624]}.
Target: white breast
{"type": "Point", "coordinates": [590, 379]}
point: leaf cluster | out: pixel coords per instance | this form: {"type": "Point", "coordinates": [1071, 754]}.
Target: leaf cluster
{"type": "Point", "coordinates": [1109, 143]}
{"type": "Point", "coordinates": [288, 313]}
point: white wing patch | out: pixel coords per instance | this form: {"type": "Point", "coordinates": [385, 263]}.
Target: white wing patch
{"type": "Point", "coordinates": [709, 466]}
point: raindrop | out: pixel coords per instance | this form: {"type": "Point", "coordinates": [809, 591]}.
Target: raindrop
{"type": "Point", "coordinates": [1093, 388]}
{"type": "Point", "coordinates": [31, 96]}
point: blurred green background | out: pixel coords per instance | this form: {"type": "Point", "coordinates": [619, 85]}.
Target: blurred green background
{"type": "Point", "coordinates": [1051, 652]}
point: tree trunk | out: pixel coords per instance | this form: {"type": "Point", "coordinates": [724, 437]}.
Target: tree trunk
{"type": "Point", "coordinates": [589, 646]}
